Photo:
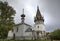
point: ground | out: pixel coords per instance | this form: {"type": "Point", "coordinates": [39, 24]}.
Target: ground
{"type": "Point", "coordinates": [27, 40]}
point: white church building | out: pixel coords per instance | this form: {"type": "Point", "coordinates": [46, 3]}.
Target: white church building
{"type": "Point", "coordinates": [25, 31]}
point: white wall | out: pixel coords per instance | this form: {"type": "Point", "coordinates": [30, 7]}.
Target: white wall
{"type": "Point", "coordinates": [21, 31]}
{"type": "Point", "coordinates": [41, 27]}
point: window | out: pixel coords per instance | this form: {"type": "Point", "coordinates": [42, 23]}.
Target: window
{"type": "Point", "coordinates": [38, 26]}
{"type": "Point", "coordinates": [17, 29]}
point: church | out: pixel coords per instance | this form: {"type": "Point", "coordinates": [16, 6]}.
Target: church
{"type": "Point", "coordinates": [25, 31]}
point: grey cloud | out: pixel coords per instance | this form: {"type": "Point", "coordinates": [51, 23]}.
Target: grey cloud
{"type": "Point", "coordinates": [50, 9]}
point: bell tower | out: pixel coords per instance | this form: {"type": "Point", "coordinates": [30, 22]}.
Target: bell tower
{"type": "Point", "coordinates": [39, 27]}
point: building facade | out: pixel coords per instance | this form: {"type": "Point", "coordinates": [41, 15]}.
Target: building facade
{"type": "Point", "coordinates": [25, 31]}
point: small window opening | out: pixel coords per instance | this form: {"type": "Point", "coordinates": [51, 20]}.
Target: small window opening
{"type": "Point", "coordinates": [38, 26]}
{"type": "Point", "coordinates": [17, 29]}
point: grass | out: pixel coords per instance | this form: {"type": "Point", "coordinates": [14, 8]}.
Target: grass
{"type": "Point", "coordinates": [22, 40]}
{"type": "Point", "coordinates": [27, 40]}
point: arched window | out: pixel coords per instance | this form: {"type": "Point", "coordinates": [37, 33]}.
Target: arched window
{"type": "Point", "coordinates": [17, 29]}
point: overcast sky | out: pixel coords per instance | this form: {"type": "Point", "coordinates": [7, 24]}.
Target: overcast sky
{"type": "Point", "coordinates": [50, 10]}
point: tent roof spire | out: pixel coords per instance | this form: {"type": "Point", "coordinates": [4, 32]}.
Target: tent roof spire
{"type": "Point", "coordinates": [38, 15]}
